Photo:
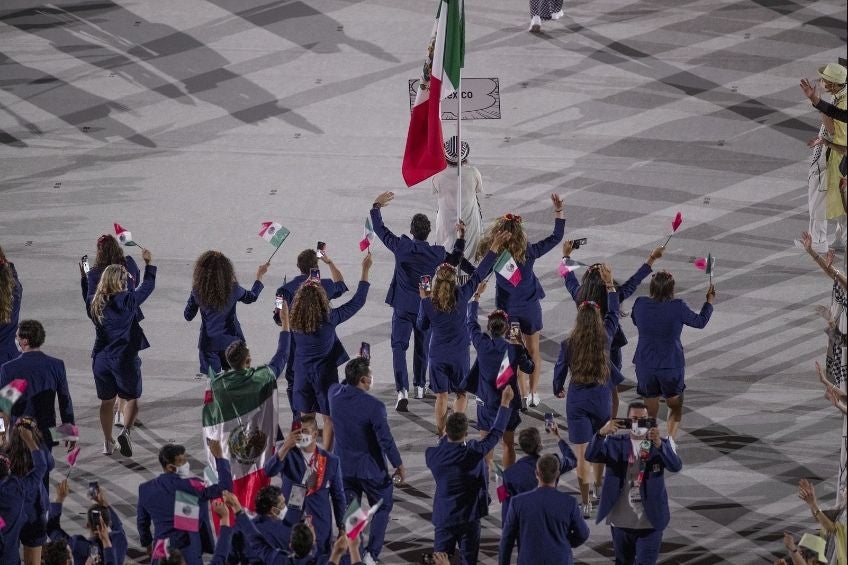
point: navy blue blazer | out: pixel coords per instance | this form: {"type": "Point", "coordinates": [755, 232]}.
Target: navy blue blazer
{"type": "Point", "coordinates": [18, 493]}
{"type": "Point", "coordinates": [271, 555]}
{"type": "Point", "coordinates": [8, 349]}
{"type": "Point", "coordinates": [490, 353]}
{"type": "Point", "coordinates": [81, 545]}
{"type": "Point", "coordinates": [460, 472]}
{"type": "Point", "coordinates": [660, 325]}
{"type": "Point", "coordinates": [313, 351]}
{"type": "Point", "coordinates": [92, 278]}
{"type": "Point", "coordinates": [564, 360]}
{"type": "Point", "coordinates": [275, 533]}
{"type": "Point", "coordinates": [324, 504]}
{"type": "Point", "coordinates": [413, 259]}
{"type": "Point", "coordinates": [521, 476]}
{"type": "Point", "coordinates": [219, 328]}
{"type": "Point", "coordinates": [46, 380]}
{"type": "Point", "coordinates": [156, 507]}
{"type": "Point", "coordinates": [363, 439]}
{"type": "Point", "coordinates": [547, 524]}
{"type": "Point", "coordinates": [614, 451]}
{"type": "Point", "coordinates": [625, 291]}
{"type": "Point", "coordinates": [121, 330]}
{"type": "Point", "coordinates": [529, 289]}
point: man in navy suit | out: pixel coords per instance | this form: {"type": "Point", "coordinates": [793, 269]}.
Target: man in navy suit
{"type": "Point", "coordinates": [414, 258]}
{"type": "Point", "coordinates": [315, 476]}
{"type": "Point", "coordinates": [307, 260]}
{"type": "Point", "coordinates": [156, 502]}
{"type": "Point", "coordinates": [633, 499]}
{"type": "Point", "coordinates": [521, 476]}
{"type": "Point", "coordinates": [363, 443]}
{"type": "Point", "coordinates": [45, 378]}
{"type": "Point", "coordinates": [546, 523]}
{"type": "Point", "coordinates": [459, 469]}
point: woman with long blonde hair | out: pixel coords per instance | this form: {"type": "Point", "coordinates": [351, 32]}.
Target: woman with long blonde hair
{"type": "Point", "coordinates": [10, 308]}
{"type": "Point", "coordinates": [116, 364]}
{"type": "Point", "coordinates": [442, 312]}
{"type": "Point", "coordinates": [586, 354]}
{"type": "Point", "coordinates": [215, 291]}
{"type": "Point", "coordinates": [522, 298]}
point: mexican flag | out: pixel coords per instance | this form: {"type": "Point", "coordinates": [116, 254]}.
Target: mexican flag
{"type": "Point", "coordinates": [424, 155]}
{"type": "Point", "coordinates": [367, 235]}
{"type": "Point", "coordinates": [503, 494]}
{"type": "Point", "coordinates": [186, 512]}
{"type": "Point", "coordinates": [124, 236]}
{"type": "Point", "coordinates": [356, 518]}
{"type": "Point", "coordinates": [508, 268]}
{"type": "Point", "coordinates": [10, 394]}
{"type": "Point", "coordinates": [273, 233]}
{"type": "Point", "coordinates": [505, 373]}
{"type": "Point", "coordinates": [710, 264]}
{"type": "Point", "coordinates": [65, 432]}
{"type": "Point", "coordinates": [240, 411]}
{"type": "Point", "coordinates": [161, 549]}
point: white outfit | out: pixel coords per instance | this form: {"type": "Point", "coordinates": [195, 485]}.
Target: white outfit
{"type": "Point", "coordinates": [817, 195]}
{"type": "Point", "coordinates": [445, 186]}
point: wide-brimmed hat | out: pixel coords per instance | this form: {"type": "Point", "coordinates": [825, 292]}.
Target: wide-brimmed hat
{"type": "Point", "coordinates": [814, 544]}
{"type": "Point", "coordinates": [451, 152]}
{"type": "Point", "coordinates": [833, 73]}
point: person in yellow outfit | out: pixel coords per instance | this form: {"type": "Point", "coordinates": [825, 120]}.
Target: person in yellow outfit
{"type": "Point", "coordinates": [833, 79]}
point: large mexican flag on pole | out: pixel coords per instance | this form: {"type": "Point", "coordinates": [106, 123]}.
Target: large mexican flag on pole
{"type": "Point", "coordinates": [425, 154]}
{"type": "Point", "coordinates": [240, 410]}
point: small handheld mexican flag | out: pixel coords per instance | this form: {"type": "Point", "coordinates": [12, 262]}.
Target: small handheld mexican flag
{"type": "Point", "coordinates": [125, 237]}
{"type": "Point", "coordinates": [675, 223]}
{"type": "Point", "coordinates": [10, 394]}
{"type": "Point", "coordinates": [706, 264]}
{"type": "Point", "coordinates": [505, 373]}
{"type": "Point", "coordinates": [65, 432]}
{"type": "Point", "coordinates": [161, 549]}
{"type": "Point", "coordinates": [275, 234]}
{"type": "Point", "coordinates": [186, 512]}
{"type": "Point", "coordinates": [367, 235]}
{"type": "Point", "coordinates": [355, 518]}
{"type": "Point", "coordinates": [71, 459]}
{"type": "Point", "coordinates": [506, 267]}
{"type": "Point", "coordinates": [503, 494]}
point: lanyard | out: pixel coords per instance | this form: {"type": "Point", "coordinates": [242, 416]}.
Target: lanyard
{"type": "Point", "coordinates": [644, 453]}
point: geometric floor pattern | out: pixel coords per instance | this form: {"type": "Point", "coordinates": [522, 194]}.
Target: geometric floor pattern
{"type": "Point", "coordinates": [191, 122]}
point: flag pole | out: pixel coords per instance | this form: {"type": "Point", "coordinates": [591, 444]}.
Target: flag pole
{"type": "Point", "coordinates": [275, 252]}
{"type": "Point", "coordinates": [459, 148]}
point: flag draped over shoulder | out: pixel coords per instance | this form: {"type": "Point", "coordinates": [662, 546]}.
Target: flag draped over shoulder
{"type": "Point", "coordinates": [241, 413]}
{"type": "Point", "coordinates": [424, 155]}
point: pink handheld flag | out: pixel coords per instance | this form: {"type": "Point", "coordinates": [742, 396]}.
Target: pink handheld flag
{"type": "Point", "coordinates": [675, 223]}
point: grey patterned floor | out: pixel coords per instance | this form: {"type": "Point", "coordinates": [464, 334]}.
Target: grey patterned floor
{"type": "Point", "coordinates": [192, 122]}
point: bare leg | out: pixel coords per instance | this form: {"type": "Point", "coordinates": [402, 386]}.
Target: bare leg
{"type": "Point", "coordinates": [508, 448]}
{"type": "Point", "coordinates": [598, 470]}
{"type": "Point", "coordinates": [653, 405]}
{"type": "Point", "coordinates": [441, 412]}
{"type": "Point", "coordinates": [675, 414]}
{"type": "Point", "coordinates": [461, 402]}
{"type": "Point", "coordinates": [584, 471]}
{"type": "Point", "coordinates": [532, 343]}
{"type": "Point", "coordinates": [106, 415]}
{"type": "Point", "coordinates": [328, 432]}
{"type": "Point", "coordinates": [130, 412]}
{"type": "Point", "coordinates": [522, 383]}
{"type": "Point", "coordinates": [32, 555]}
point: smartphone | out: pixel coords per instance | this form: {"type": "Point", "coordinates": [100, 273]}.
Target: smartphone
{"type": "Point", "coordinates": [514, 330]}
{"type": "Point", "coordinates": [296, 497]}
{"type": "Point", "coordinates": [549, 422]}
{"type": "Point", "coordinates": [625, 423]}
{"type": "Point", "coordinates": [647, 423]}
{"type": "Point", "coordinates": [576, 243]}
{"type": "Point", "coordinates": [85, 266]}
{"type": "Point", "coordinates": [93, 489]}
{"type": "Point", "coordinates": [307, 518]}
{"type": "Point", "coordinates": [315, 274]}
{"type": "Point", "coordinates": [2, 426]}
{"type": "Point", "coordinates": [95, 518]}
{"type": "Point", "coordinates": [424, 283]}
{"type": "Point", "coordinates": [320, 248]}
{"type": "Point", "coordinates": [365, 350]}
{"type": "Point", "coordinates": [295, 425]}
{"type": "Point", "coordinates": [278, 302]}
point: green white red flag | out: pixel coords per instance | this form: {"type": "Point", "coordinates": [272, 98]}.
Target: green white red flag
{"type": "Point", "coordinates": [505, 373]}
{"type": "Point", "coordinates": [273, 233]}
{"type": "Point", "coordinates": [186, 512]}
{"type": "Point", "coordinates": [424, 155]}
{"type": "Point", "coordinates": [124, 236]}
{"type": "Point", "coordinates": [356, 518]}
{"type": "Point", "coordinates": [503, 494]}
{"type": "Point", "coordinates": [10, 394]}
{"type": "Point", "coordinates": [367, 235]}
{"type": "Point", "coordinates": [506, 267]}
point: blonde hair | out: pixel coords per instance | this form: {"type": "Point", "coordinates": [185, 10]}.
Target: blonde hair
{"type": "Point", "coordinates": [587, 345]}
{"type": "Point", "coordinates": [517, 243]}
{"type": "Point", "coordinates": [444, 289]}
{"type": "Point", "coordinates": [112, 281]}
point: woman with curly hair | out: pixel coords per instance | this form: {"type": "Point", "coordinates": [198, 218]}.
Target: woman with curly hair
{"type": "Point", "coordinates": [116, 364]}
{"type": "Point", "coordinates": [215, 292]}
{"type": "Point", "coordinates": [592, 288]}
{"type": "Point", "coordinates": [34, 530]}
{"type": "Point", "coordinates": [443, 313]}
{"type": "Point", "coordinates": [522, 300]}
{"type": "Point", "coordinates": [318, 352]}
{"type": "Point", "coordinates": [10, 308]}
{"type": "Point", "coordinates": [585, 352]}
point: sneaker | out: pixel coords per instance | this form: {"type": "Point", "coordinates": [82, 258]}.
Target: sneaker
{"type": "Point", "coordinates": [558, 15]}
{"type": "Point", "coordinates": [368, 560]}
{"type": "Point", "coordinates": [586, 509]}
{"type": "Point", "coordinates": [593, 493]}
{"type": "Point", "coordinates": [108, 447]}
{"type": "Point", "coordinates": [125, 443]}
{"type": "Point", "coordinates": [534, 399]}
{"type": "Point", "coordinates": [419, 392]}
{"type": "Point", "coordinates": [524, 404]}
{"type": "Point", "coordinates": [402, 404]}
{"type": "Point", "coordinates": [820, 248]}
{"type": "Point", "coordinates": [535, 24]}
{"type": "Point", "coordinates": [119, 419]}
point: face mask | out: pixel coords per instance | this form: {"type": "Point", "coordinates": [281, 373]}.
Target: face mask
{"type": "Point", "coordinates": [184, 471]}
{"type": "Point", "coordinates": [282, 513]}
{"type": "Point", "coordinates": [639, 431]}
{"type": "Point", "coordinates": [18, 345]}
{"type": "Point", "coordinates": [304, 441]}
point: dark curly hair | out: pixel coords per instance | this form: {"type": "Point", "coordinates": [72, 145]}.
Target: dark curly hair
{"type": "Point", "coordinates": [310, 308]}
{"type": "Point", "coordinates": [213, 280]}
{"type": "Point", "coordinates": [109, 252]}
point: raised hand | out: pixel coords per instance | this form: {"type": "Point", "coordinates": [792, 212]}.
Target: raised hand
{"type": "Point", "coordinates": [384, 199]}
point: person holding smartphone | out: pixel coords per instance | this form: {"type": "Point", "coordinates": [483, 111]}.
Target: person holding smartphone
{"type": "Point", "coordinates": [11, 292]}
{"type": "Point", "coordinates": [585, 353]}
{"type": "Point", "coordinates": [215, 292]}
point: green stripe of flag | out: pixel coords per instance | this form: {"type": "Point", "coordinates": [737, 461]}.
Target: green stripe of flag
{"type": "Point", "coordinates": [246, 390]}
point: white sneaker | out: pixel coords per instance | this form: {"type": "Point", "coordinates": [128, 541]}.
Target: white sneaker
{"type": "Point", "coordinates": [405, 394]}
{"type": "Point", "coordinates": [536, 399]}
{"type": "Point", "coordinates": [108, 447]}
{"type": "Point", "coordinates": [368, 560]}
{"type": "Point", "coordinates": [558, 15]}
{"type": "Point", "coordinates": [402, 404]}
{"type": "Point", "coordinates": [118, 420]}
{"type": "Point", "coordinates": [535, 24]}
{"type": "Point", "coordinates": [419, 392]}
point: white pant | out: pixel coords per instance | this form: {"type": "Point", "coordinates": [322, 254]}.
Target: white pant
{"type": "Point", "coordinates": [840, 234]}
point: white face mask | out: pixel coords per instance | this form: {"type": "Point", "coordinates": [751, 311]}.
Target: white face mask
{"type": "Point", "coordinates": [304, 441]}
{"type": "Point", "coordinates": [639, 431]}
{"type": "Point", "coordinates": [184, 471]}
{"type": "Point", "coordinates": [282, 513]}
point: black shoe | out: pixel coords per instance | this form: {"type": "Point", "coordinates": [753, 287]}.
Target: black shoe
{"type": "Point", "coordinates": [402, 404]}
{"type": "Point", "coordinates": [125, 443]}
{"type": "Point", "coordinates": [524, 404]}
